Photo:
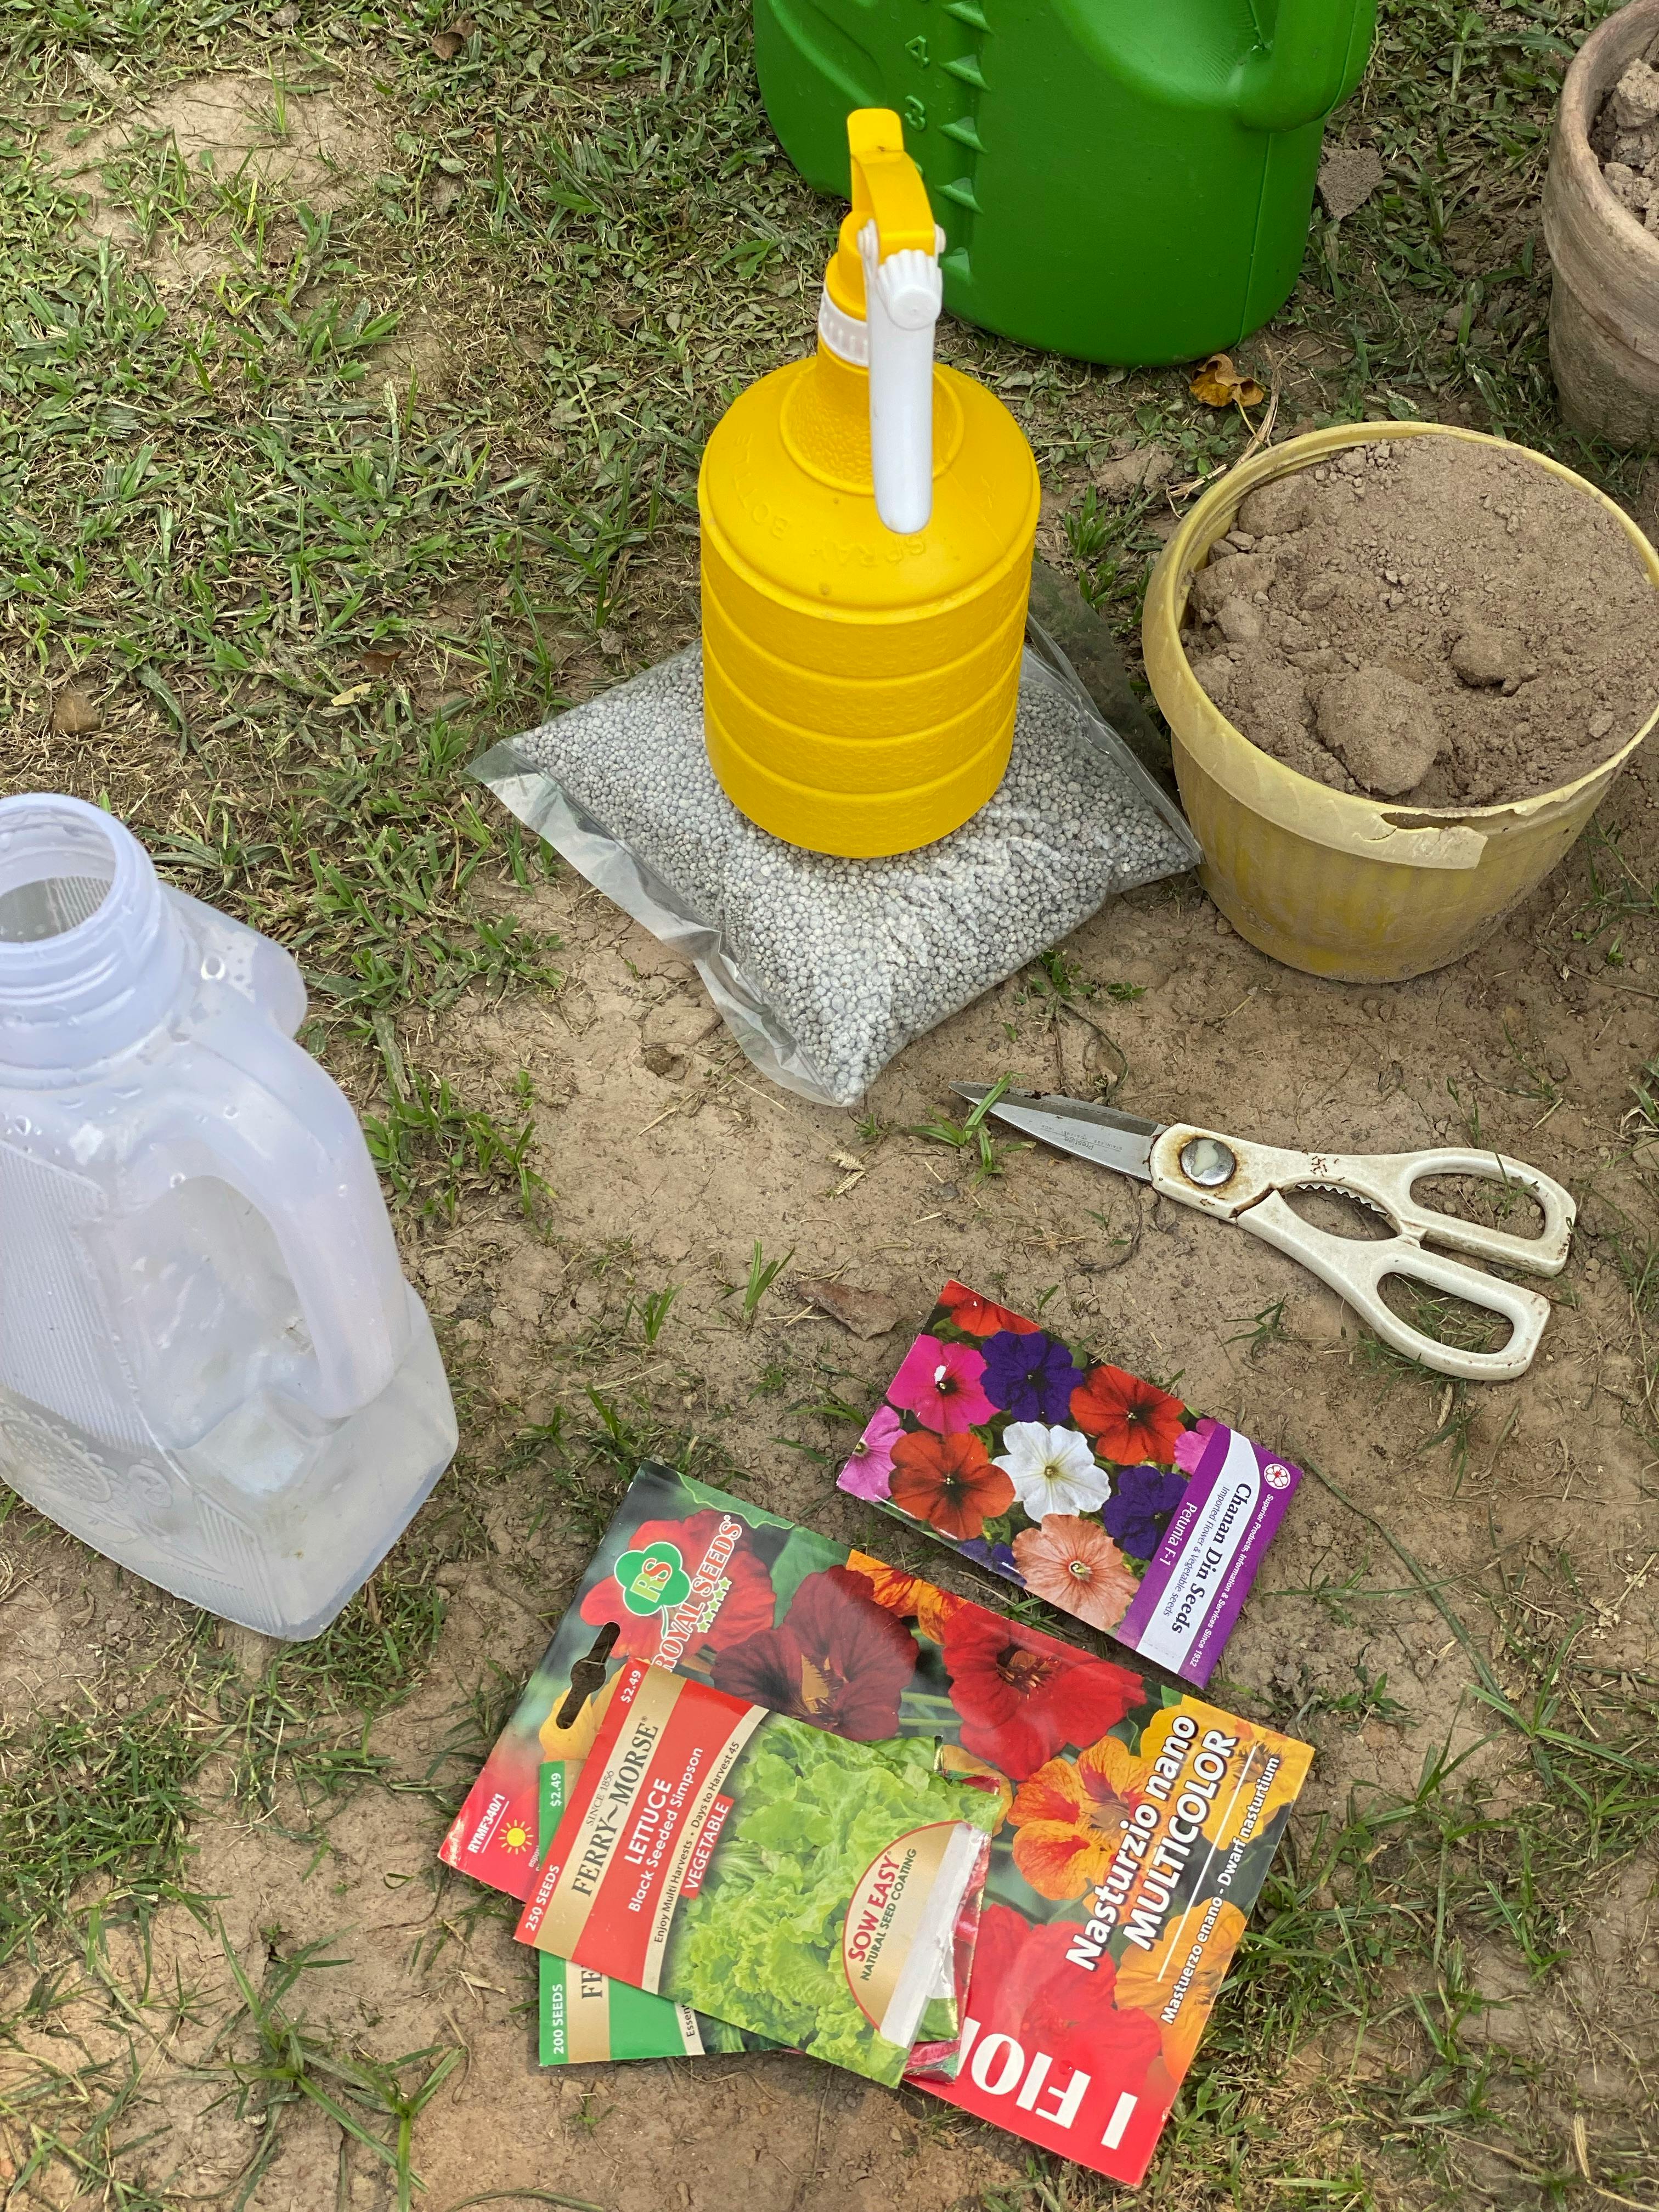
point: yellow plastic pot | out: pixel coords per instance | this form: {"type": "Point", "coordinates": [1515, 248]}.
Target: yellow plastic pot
{"type": "Point", "coordinates": [1354, 888]}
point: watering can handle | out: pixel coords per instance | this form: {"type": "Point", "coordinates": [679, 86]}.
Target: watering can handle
{"type": "Point", "coordinates": [1314, 58]}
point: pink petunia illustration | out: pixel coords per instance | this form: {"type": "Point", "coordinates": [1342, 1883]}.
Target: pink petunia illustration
{"type": "Point", "coordinates": [869, 1472]}
{"type": "Point", "coordinates": [1190, 1445]}
{"type": "Point", "coordinates": [939, 1383]}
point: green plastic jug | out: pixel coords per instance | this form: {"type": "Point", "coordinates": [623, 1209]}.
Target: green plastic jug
{"type": "Point", "coordinates": [1123, 180]}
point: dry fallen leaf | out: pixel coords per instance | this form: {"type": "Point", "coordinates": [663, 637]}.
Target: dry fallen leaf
{"type": "Point", "coordinates": [866, 1313]}
{"type": "Point", "coordinates": [99, 78]}
{"type": "Point", "coordinates": [1218, 383]}
{"type": "Point", "coordinates": [74, 713]}
{"type": "Point", "coordinates": [447, 44]}
{"type": "Point", "coordinates": [382, 659]}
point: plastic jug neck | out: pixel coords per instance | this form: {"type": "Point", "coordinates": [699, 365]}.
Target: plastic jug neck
{"type": "Point", "coordinates": [91, 951]}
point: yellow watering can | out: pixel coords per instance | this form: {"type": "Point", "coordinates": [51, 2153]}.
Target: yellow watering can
{"type": "Point", "coordinates": [868, 518]}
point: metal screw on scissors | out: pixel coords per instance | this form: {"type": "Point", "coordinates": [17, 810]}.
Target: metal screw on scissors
{"type": "Point", "coordinates": [1233, 1180]}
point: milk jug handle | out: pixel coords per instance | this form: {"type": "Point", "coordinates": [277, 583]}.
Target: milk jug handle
{"type": "Point", "coordinates": [1315, 56]}
{"type": "Point", "coordinates": [245, 1103]}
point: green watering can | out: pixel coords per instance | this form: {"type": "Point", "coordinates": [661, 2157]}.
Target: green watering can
{"type": "Point", "coordinates": [1123, 181]}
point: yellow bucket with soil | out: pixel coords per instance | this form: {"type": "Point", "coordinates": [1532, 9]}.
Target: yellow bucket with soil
{"type": "Point", "coordinates": [1354, 888]}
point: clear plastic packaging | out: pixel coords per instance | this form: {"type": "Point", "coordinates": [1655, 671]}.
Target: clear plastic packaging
{"type": "Point", "coordinates": [822, 968]}
{"type": "Point", "coordinates": [211, 1368]}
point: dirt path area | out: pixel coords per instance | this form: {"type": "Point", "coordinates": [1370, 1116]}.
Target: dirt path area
{"type": "Point", "coordinates": [1511, 1527]}
{"type": "Point", "coordinates": [344, 431]}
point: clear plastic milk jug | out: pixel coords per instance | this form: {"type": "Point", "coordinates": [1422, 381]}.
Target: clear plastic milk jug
{"type": "Point", "coordinates": [211, 1368]}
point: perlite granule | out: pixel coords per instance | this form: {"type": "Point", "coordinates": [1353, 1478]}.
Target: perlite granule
{"type": "Point", "coordinates": [825, 967]}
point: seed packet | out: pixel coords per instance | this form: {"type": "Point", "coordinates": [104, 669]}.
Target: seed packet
{"type": "Point", "coordinates": [1088, 1486]}
{"type": "Point", "coordinates": [583, 2016]}
{"type": "Point", "coordinates": [798, 1885]}
{"type": "Point", "coordinates": [1111, 1912]}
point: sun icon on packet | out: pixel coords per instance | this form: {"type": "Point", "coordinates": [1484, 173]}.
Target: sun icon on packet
{"type": "Point", "coordinates": [514, 1837]}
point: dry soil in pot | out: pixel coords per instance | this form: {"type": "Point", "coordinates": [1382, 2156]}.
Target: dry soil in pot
{"type": "Point", "coordinates": [1431, 620]}
{"type": "Point", "coordinates": [1626, 140]}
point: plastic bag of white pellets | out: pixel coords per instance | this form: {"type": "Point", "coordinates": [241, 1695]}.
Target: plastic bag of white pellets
{"type": "Point", "coordinates": [822, 968]}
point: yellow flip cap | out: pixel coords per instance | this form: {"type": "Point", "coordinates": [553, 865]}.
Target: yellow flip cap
{"type": "Point", "coordinates": [887, 191]}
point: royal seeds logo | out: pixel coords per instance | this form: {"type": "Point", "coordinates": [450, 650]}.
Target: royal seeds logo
{"type": "Point", "coordinates": [654, 1579]}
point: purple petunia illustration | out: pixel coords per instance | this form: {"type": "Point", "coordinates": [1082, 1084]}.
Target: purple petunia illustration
{"type": "Point", "coordinates": [1137, 1511]}
{"type": "Point", "coordinates": [1032, 1378]}
{"type": "Point", "coordinates": [999, 1557]}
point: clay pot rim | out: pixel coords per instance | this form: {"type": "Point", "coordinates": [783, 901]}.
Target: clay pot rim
{"type": "Point", "coordinates": [1574, 115]}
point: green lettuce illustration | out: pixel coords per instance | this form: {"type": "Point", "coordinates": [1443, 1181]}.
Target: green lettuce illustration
{"type": "Point", "coordinates": [811, 1814]}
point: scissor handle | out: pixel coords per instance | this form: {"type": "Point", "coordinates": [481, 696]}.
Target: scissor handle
{"type": "Point", "coordinates": [1357, 1268]}
{"type": "Point", "coordinates": [1191, 1164]}
{"type": "Point", "coordinates": [1386, 1180]}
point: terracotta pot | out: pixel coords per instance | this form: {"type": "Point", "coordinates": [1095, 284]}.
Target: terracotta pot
{"type": "Point", "coordinates": [1604, 310]}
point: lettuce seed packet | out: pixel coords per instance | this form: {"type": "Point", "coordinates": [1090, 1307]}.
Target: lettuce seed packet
{"type": "Point", "coordinates": [801, 1886]}
{"type": "Point", "coordinates": [582, 2016]}
{"type": "Point", "coordinates": [1088, 1486]}
{"type": "Point", "coordinates": [1134, 1825]}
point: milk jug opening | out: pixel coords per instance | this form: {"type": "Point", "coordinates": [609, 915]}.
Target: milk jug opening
{"type": "Point", "coordinates": [90, 951]}
{"type": "Point", "coordinates": [53, 876]}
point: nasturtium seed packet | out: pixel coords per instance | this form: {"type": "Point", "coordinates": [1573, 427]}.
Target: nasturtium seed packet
{"type": "Point", "coordinates": [796, 1885]}
{"type": "Point", "coordinates": [1112, 1912]}
{"type": "Point", "coordinates": [1084, 1484]}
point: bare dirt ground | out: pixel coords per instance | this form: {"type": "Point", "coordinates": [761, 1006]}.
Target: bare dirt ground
{"type": "Point", "coordinates": [1542, 1487]}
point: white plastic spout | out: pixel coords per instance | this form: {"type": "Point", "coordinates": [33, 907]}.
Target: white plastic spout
{"type": "Point", "coordinates": [903, 295]}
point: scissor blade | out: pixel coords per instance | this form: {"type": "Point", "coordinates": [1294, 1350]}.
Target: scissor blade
{"type": "Point", "coordinates": [1122, 1142]}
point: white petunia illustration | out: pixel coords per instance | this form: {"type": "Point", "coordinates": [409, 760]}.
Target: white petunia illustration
{"type": "Point", "coordinates": [1052, 1470]}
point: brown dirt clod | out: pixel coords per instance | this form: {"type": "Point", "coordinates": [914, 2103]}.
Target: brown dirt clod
{"type": "Point", "coordinates": [1383, 725]}
{"type": "Point", "coordinates": [1432, 619]}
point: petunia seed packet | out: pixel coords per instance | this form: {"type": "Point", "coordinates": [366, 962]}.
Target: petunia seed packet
{"type": "Point", "coordinates": [1133, 1825]}
{"type": "Point", "coordinates": [1086, 1485]}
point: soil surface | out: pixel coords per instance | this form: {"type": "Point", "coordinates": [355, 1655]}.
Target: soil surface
{"type": "Point", "coordinates": [1431, 620]}
{"type": "Point", "coordinates": [671, 1179]}
{"type": "Point", "coordinates": [1626, 140]}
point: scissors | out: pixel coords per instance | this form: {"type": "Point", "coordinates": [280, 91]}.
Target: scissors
{"type": "Point", "coordinates": [1233, 1180]}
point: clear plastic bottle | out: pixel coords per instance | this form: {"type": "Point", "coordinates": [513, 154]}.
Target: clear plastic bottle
{"type": "Point", "coordinates": [211, 1368]}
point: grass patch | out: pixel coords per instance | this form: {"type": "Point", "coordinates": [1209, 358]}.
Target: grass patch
{"type": "Point", "coordinates": [94, 1807]}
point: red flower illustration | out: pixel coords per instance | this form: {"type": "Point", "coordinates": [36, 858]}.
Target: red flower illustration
{"type": "Point", "coordinates": [836, 1659]}
{"type": "Point", "coordinates": [949, 1481]}
{"type": "Point", "coordinates": [1024, 1985]}
{"type": "Point", "coordinates": [1022, 1695]}
{"type": "Point", "coordinates": [980, 1317]}
{"type": "Point", "coordinates": [1119, 2044]}
{"type": "Point", "coordinates": [747, 1606]}
{"type": "Point", "coordinates": [1131, 1420]}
